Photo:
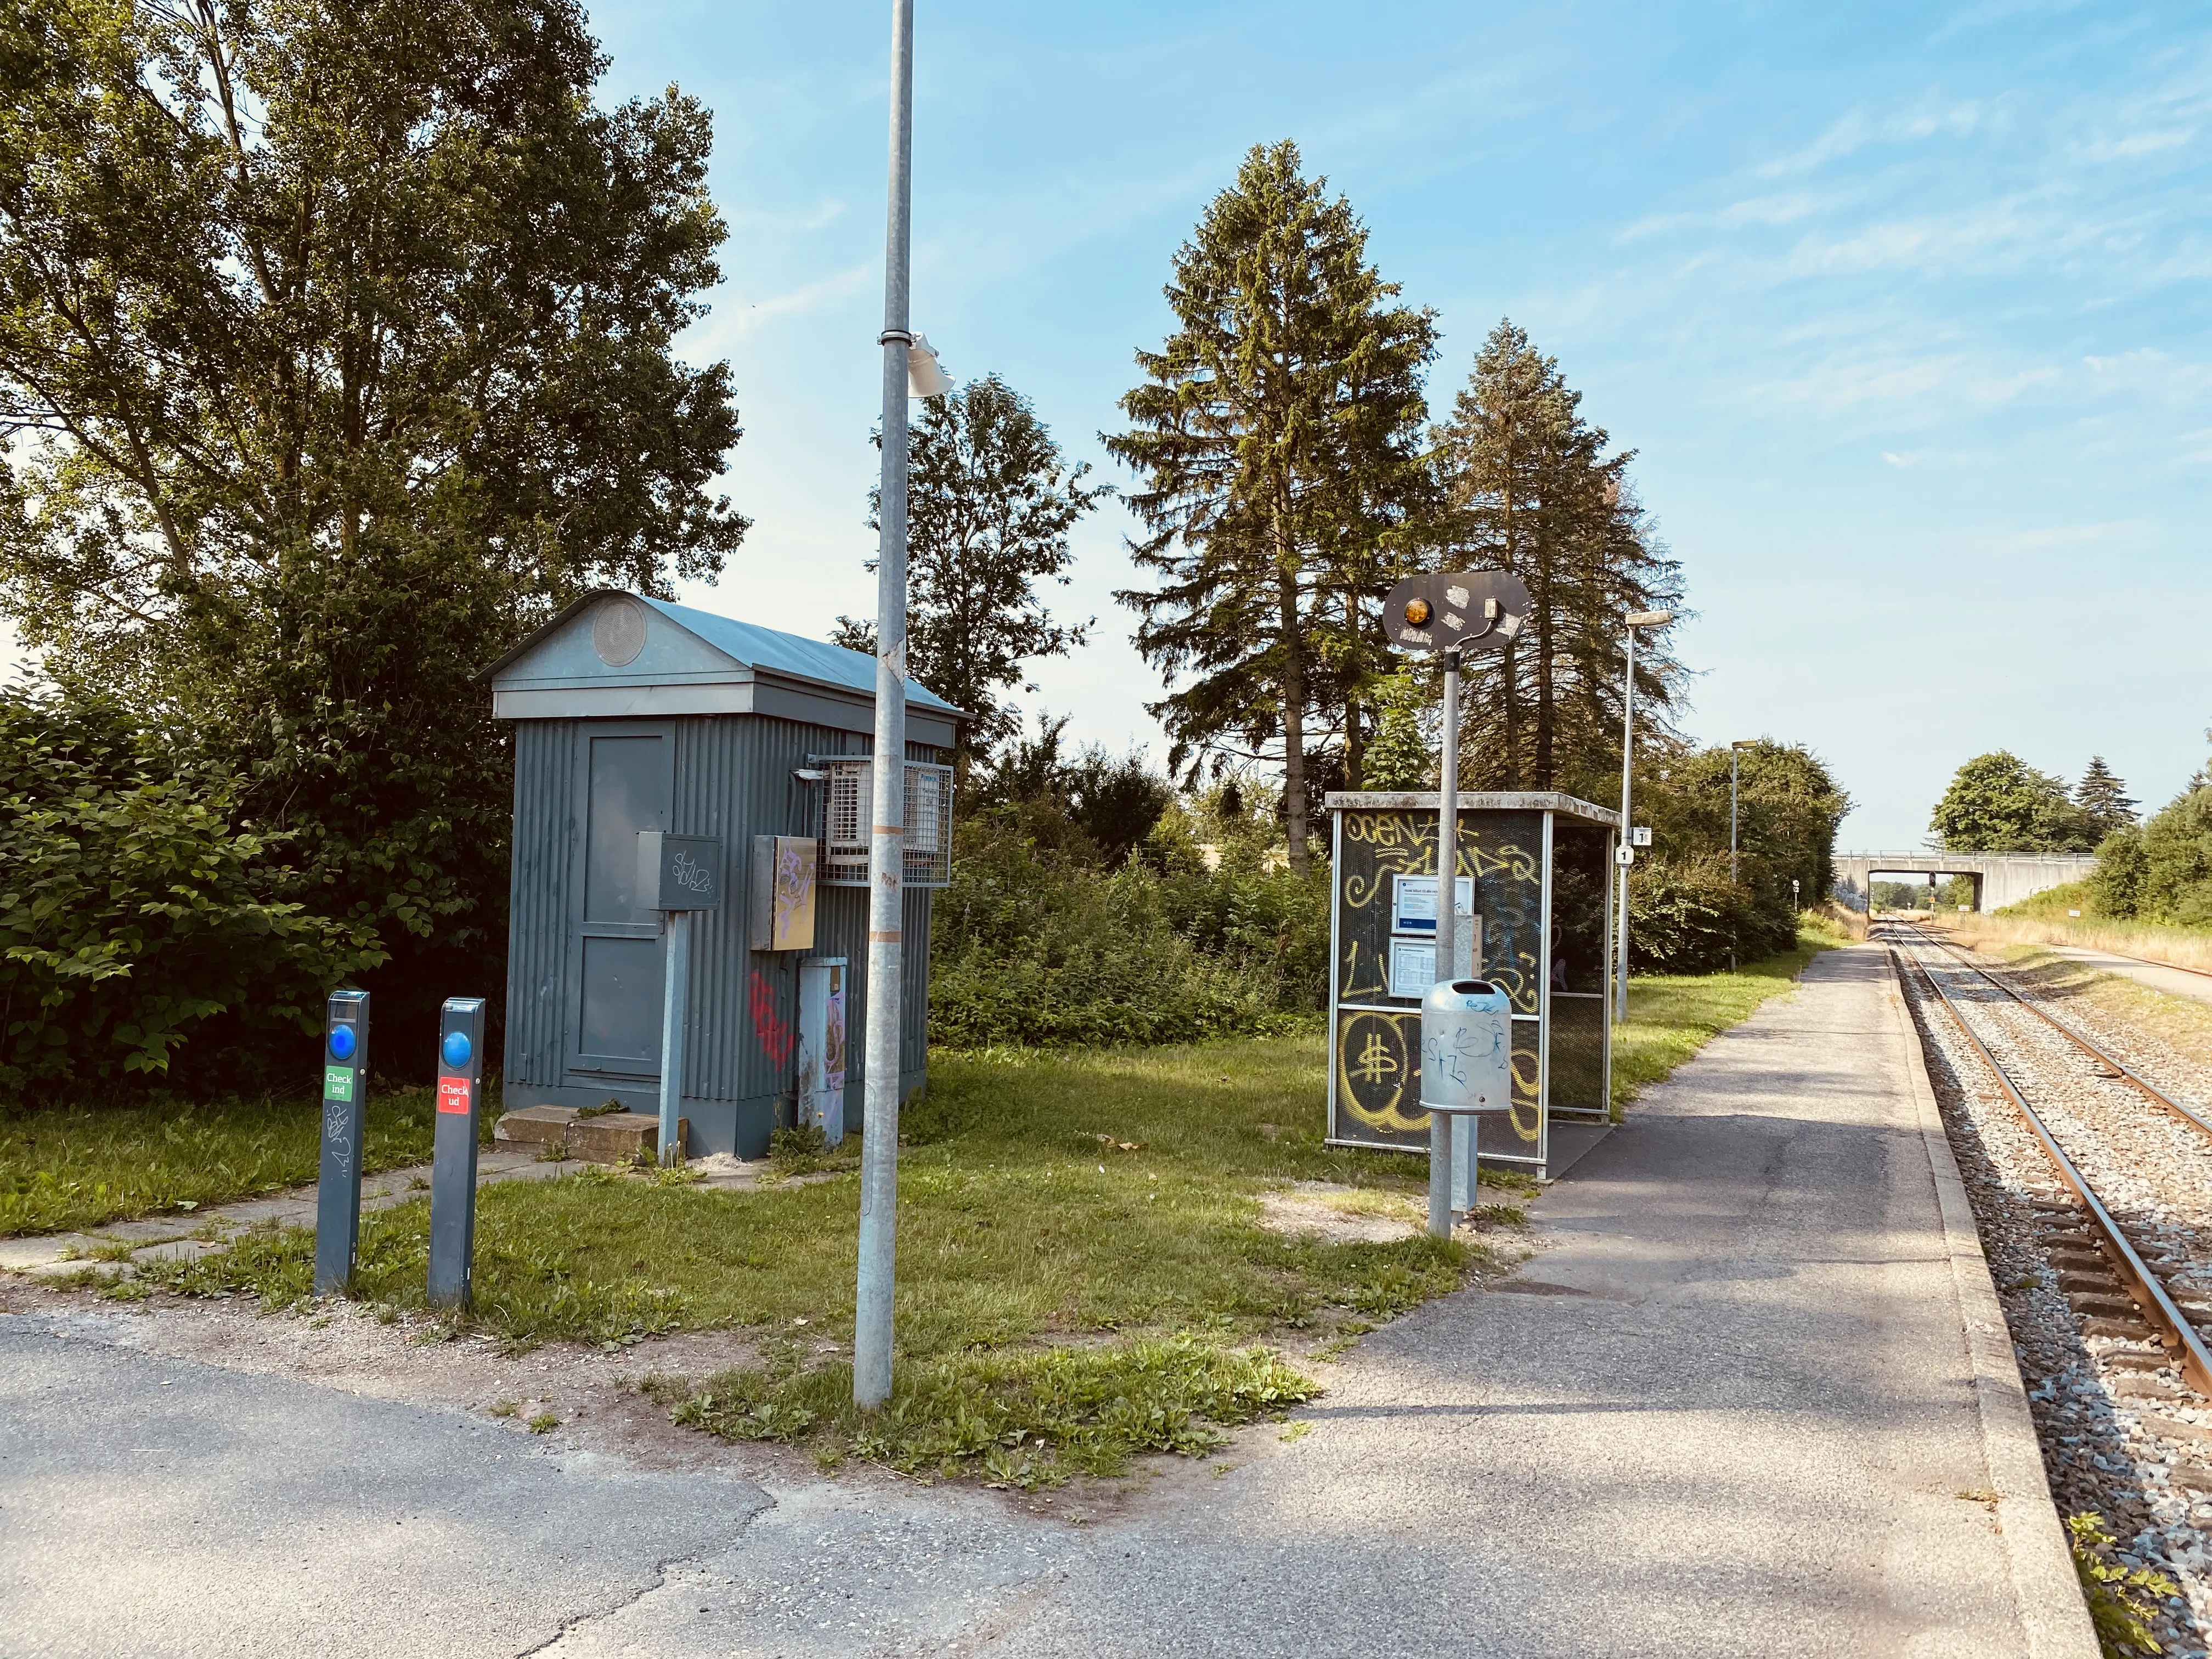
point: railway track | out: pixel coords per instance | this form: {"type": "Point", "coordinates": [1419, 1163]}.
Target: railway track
{"type": "Point", "coordinates": [2141, 1180]}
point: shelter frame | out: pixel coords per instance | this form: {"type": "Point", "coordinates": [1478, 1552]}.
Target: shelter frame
{"type": "Point", "coordinates": [1542, 865]}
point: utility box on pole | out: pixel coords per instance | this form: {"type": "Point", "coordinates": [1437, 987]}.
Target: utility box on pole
{"type": "Point", "coordinates": [821, 1045]}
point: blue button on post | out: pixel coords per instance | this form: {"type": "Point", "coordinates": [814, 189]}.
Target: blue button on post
{"type": "Point", "coordinates": [342, 1042]}
{"type": "Point", "coordinates": [456, 1048]}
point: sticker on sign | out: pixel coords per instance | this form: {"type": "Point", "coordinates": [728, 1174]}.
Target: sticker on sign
{"type": "Point", "coordinates": [453, 1094]}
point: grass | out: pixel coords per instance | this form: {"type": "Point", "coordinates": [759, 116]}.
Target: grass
{"type": "Point", "coordinates": [2043, 920]}
{"type": "Point", "coordinates": [1083, 1274]}
{"type": "Point", "coordinates": [68, 1167]}
{"type": "Point", "coordinates": [1671, 1016]}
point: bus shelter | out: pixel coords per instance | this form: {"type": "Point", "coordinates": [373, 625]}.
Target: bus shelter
{"type": "Point", "coordinates": [1535, 890]}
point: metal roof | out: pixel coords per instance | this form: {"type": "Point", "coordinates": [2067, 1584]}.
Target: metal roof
{"type": "Point", "coordinates": [1544, 800]}
{"type": "Point", "coordinates": [789, 653]}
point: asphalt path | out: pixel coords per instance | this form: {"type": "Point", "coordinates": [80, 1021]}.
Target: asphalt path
{"type": "Point", "coordinates": [1732, 1408]}
{"type": "Point", "coordinates": [2159, 975]}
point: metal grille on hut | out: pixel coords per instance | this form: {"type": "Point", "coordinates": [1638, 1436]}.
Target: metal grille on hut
{"type": "Point", "coordinates": [847, 816]}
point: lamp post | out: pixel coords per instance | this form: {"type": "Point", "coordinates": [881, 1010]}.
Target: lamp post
{"type": "Point", "coordinates": [878, 1239]}
{"type": "Point", "coordinates": [1635, 620]}
{"type": "Point", "coordinates": [1735, 752]}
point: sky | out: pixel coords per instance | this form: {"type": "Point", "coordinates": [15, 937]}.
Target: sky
{"type": "Point", "coordinates": [1903, 309]}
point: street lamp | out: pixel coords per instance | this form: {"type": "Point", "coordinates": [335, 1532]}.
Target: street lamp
{"type": "Point", "coordinates": [1735, 752]}
{"type": "Point", "coordinates": [1634, 620]}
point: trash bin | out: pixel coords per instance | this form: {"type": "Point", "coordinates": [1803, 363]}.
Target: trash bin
{"type": "Point", "coordinates": [1466, 1047]}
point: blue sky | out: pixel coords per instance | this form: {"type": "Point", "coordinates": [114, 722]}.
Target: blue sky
{"type": "Point", "coordinates": [1904, 309]}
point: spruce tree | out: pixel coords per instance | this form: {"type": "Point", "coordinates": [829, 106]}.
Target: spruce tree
{"type": "Point", "coordinates": [1276, 437]}
{"type": "Point", "coordinates": [1530, 489]}
{"type": "Point", "coordinates": [2105, 798]}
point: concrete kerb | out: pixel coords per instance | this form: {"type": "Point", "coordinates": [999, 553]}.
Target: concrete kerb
{"type": "Point", "coordinates": [2044, 1583]}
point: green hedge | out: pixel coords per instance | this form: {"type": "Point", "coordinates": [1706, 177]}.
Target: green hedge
{"type": "Point", "coordinates": [1690, 919]}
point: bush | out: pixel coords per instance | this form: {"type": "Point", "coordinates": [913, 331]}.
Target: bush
{"type": "Point", "coordinates": [1036, 943]}
{"type": "Point", "coordinates": [2115, 886]}
{"type": "Point", "coordinates": [1690, 919]}
{"type": "Point", "coordinates": [132, 915]}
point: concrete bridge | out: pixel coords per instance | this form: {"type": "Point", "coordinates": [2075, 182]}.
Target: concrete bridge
{"type": "Point", "coordinates": [1999, 878]}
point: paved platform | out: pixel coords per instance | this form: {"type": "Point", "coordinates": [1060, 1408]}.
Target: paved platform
{"type": "Point", "coordinates": [2159, 975]}
{"type": "Point", "coordinates": [1752, 1397]}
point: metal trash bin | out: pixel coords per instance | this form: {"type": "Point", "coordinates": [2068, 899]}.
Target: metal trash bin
{"type": "Point", "coordinates": [1466, 1047]}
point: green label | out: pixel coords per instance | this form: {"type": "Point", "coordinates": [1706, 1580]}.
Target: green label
{"type": "Point", "coordinates": [337, 1082]}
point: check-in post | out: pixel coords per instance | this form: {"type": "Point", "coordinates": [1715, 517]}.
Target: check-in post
{"type": "Point", "coordinates": [677, 875]}
{"type": "Point", "coordinates": [345, 1089]}
{"type": "Point", "coordinates": [454, 1151]}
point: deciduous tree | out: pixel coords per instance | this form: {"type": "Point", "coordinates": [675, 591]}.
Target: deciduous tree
{"type": "Point", "coordinates": [1998, 803]}
{"type": "Point", "coordinates": [336, 346]}
{"type": "Point", "coordinates": [990, 503]}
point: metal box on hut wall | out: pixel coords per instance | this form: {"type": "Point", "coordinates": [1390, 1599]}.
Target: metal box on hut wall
{"type": "Point", "coordinates": [1533, 872]}
{"type": "Point", "coordinates": [630, 714]}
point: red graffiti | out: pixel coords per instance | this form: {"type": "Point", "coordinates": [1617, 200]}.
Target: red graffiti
{"type": "Point", "coordinates": [776, 1038]}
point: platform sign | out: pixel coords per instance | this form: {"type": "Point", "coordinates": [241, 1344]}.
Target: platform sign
{"type": "Point", "coordinates": [453, 1150]}
{"type": "Point", "coordinates": [344, 1096]}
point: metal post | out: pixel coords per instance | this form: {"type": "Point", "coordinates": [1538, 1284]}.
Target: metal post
{"type": "Point", "coordinates": [1627, 753]}
{"type": "Point", "coordinates": [1734, 755]}
{"type": "Point", "coordinates": [1440, 1125]}
{"type": "Point", "coordinates": [678, 982]}
{"type": "Point", "coordinates": [454, 1151]}
{"type": "Point", "coordinates": [871, 1317]}
{"type": "Point", "coordinates": [345, 1099]}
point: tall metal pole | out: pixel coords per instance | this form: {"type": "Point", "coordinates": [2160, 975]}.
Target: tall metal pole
{"type": "Point", "coordinates": [1627, 752]}
{"type": "Point", "coordinates": [1440, 1125]}
{"type": "Point", "coordinates": [1736, 754]}
{"type": "Point", "coordinates": [871, 1316]}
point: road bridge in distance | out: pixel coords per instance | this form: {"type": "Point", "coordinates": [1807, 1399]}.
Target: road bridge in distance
{"type": "Point", "coordinates": [1999, 878]}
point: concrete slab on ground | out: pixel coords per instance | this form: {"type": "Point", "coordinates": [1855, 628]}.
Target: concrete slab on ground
{"type": "Point", "coordinates": [2159, 975]}
{"type": "Point", "coordinates": [1745, 1400]}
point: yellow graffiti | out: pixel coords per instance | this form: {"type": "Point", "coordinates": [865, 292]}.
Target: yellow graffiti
{"type": "Point", "coordinates": [1524, 1077]}
{"type": "Point", "coordinates": [1377, 1062]}
{"type": "Point", "coordinates": [1352, 987]}
{"type": "Point", "coordinates": [1371, 1061]}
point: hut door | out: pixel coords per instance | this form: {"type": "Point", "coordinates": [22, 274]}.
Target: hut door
{"type": "Point", "coordinates": [629, 779]}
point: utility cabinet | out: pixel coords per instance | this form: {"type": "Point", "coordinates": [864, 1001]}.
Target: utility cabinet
{"type": "Point", "coordinates": [634, 713]}
{"type": "Point", "coordinates": [1533, 881]}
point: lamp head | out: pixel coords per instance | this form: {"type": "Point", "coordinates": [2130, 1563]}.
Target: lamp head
{"type": "Point", "coordinates": [1649, 618]}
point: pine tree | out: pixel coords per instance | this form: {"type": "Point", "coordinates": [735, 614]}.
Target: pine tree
{"type": "Point", "coordinates": [1531, 489]}
{"type": "Point", "coordinates": [2104, 799]}
{"type": "Point", "coordinates": [1277, 437]}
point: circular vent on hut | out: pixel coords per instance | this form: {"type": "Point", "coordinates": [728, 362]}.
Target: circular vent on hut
{"type": "Point", "coordinates": [618, 631]}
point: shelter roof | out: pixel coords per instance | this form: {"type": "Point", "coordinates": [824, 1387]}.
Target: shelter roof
{"type": "Point", "coordinates": [1396, 800]}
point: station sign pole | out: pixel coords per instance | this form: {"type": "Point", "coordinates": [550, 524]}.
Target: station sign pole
{"type": "Point", "coordinates": [1450, 614]}
{"type": "Point", "coordinates": [454, 1151]}
{"type": "Point", "coordinates": [345, 1091]}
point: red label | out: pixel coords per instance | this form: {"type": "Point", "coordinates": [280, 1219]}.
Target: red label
{"type": "Point", "coordinates": [453, 1094]}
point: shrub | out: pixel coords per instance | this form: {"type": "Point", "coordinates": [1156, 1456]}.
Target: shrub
{"type": "Point", "coordinates": [2115, 886]}
{"type": "Point", "coordinates": [132, 913]}
{"type": "Point", "coordinates": [1036, 943]}
{"type": "Point", "coordinates": [2177, 874]}
{"type": "Point", "coordinates": [1690, 919]}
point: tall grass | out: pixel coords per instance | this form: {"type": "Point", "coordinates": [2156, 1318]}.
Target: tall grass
{"type": "Point", "coordinates": [2179, 947]}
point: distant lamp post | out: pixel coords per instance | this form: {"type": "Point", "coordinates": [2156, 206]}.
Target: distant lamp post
{"type": "Point", "coordinates": [1634, 620]}
{"type": "Point", "coordinates": [1735, 753]}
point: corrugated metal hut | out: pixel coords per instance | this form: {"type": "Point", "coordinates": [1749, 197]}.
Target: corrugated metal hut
{"type": "Point", "coordinates": [634, 713]}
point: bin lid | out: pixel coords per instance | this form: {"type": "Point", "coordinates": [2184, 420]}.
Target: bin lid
{"type": "Point", "coordinates": [1468, 995]}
